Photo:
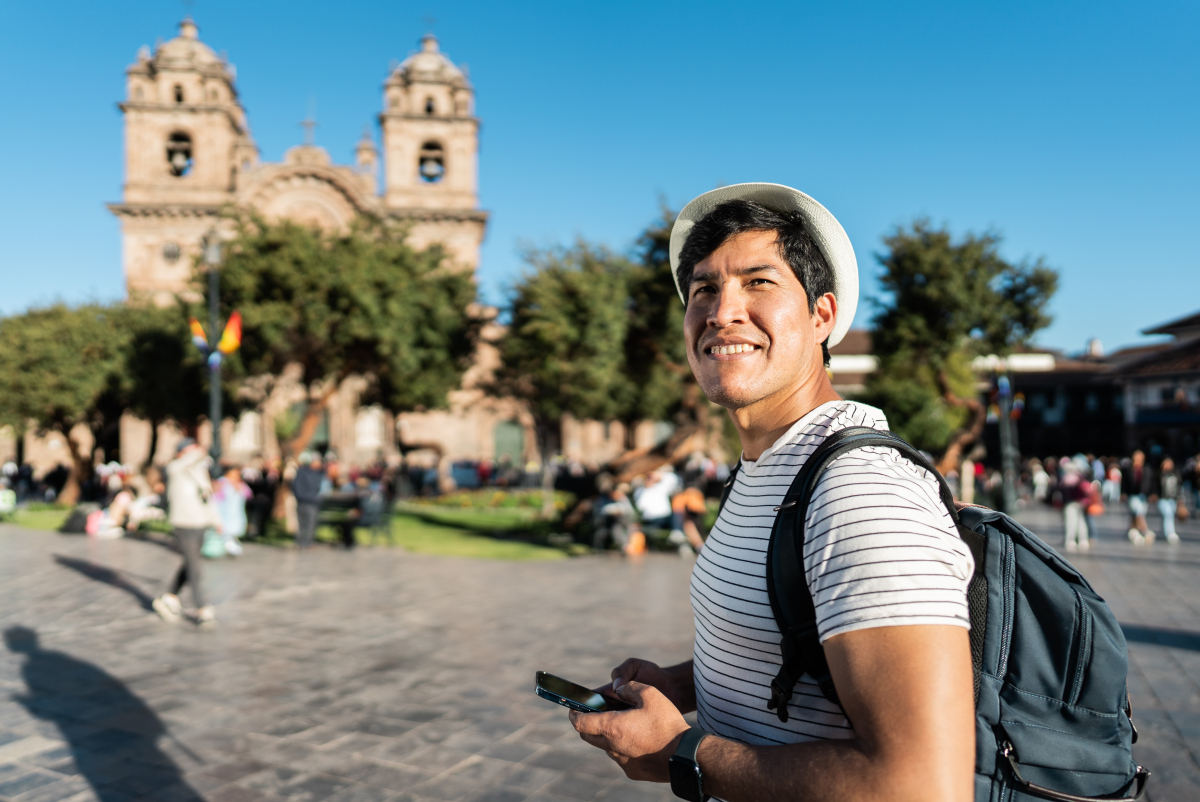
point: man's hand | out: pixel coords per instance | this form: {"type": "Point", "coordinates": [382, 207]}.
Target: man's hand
{"type": "Point", "coordinates": [675, 683]}
{"type": "Point", "coordinates": [640, 740]}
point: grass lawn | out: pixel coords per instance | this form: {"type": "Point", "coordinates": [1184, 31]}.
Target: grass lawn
{"type": "Point", "coordinates": [456, 533]}
{"type": "Point", "coordinates": [41, 517]}
{"type": "Point", "coordinates": [486, 534]}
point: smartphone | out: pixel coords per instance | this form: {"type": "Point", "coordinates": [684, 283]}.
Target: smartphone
{"type": "Point", "coordinates": [576, 697]}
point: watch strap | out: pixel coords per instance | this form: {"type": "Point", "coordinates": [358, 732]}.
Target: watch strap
{"type": "Point", "coordinates": [687, 780]}
{"type": "Point", "coordinates": [690, 743]}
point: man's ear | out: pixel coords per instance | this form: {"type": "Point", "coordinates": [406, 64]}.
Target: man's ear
{"type": "Point", "coordinates": [825, 316]}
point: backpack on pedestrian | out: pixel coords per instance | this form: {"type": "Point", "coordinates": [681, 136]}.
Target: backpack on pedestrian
{"type": "Point", "coordinates": [1052, 713]}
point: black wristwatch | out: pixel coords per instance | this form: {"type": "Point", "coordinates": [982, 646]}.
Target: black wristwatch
{"type": "Point", "coordinates": [687, 781]}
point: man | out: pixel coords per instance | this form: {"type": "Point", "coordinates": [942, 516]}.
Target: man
{"type": "Point", "coordinates": [190, 511]}
{"type": "Point", "coordinates": [1136, 484]}
{"type": "Point", "coordinates": [769, 280]}
{"type": "Point", "coordinates": [306, 487]}
{"type": "Point", "coordinates": [1167, 486]}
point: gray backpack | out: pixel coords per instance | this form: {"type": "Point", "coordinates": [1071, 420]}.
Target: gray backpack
{"type": "Point", "coordinates": [1052, 713]}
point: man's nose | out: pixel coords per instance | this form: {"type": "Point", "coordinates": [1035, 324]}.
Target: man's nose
{"type": "Point", "coordinates": [729, 309]}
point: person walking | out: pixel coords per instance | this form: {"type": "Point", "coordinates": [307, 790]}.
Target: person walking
{"type": "Point", "coordinates": [1168, 485]}
{"type": "Point", "coordinates": [1135, 486]}
{"type": "Point", "coordinates": [1112, 483]}
{"type": "Point", "coordinates": [190, 511]}
{"type": "Point", "coordinates": [231, 495]}
{"type": "Point", "coordinates": [1075, 493]}
{"type": "Point", "coordinates": [306, 487]}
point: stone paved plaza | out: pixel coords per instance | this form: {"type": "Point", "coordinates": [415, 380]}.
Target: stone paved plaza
{"type": "Point", "coordinates": [382, 675]}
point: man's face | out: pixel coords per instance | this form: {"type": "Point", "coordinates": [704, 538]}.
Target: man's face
{"type": "Point", "coordinates": [1138, 459]}
{"type": "Point", "coordinates": [749, 332]}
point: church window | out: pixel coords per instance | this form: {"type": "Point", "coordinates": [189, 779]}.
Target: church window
{"type": "Point", "coordinates": [171, 252]}
{"type": "Point", "coordinates": [432, 162]}
{"type": "Point", "coordinates": [178, 93]}
{"type": "Point", "coordinates": [395, 101]}
{"type": "Point", "coordinates": [429, 106]}
{"type": "Point", "coordinates": [179, 154]}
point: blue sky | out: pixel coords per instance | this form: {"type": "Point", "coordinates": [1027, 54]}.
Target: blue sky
{"type": "Point", "coordinates": [1071, 128]}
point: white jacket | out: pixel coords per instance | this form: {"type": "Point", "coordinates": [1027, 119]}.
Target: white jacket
{"type": "Point", "coordinates": [189, 492]}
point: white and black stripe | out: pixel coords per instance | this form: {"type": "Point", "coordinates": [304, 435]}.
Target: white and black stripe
{"type": "Point", "coordinates": [880, 550]}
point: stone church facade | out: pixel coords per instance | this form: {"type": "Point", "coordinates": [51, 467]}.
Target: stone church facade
{"type": "Point", "coordinates": [189, 154]}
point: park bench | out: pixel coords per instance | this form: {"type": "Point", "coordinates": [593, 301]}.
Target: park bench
{"type": "Point", "coordinates": [344, 512]}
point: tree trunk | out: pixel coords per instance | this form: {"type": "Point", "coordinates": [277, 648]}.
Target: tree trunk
{"type": "Point", "coordinates": [966, 437]}
{"type": "Point", "coordinates": [312, 419]}
{"type": "Point", "coordinates": [154, 424]}
{"type": "Point", "coordinates": [80, 470]}
{"type": "Point", "coordinates": [691, 420]}
{"type": "Point", "coordinates": [548, 441]}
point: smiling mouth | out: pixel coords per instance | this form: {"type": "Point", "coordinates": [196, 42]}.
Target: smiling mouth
{"type": "Point", "coordinates": [729, 350]}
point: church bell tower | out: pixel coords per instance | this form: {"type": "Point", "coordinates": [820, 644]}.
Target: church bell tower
{"type": "Point", "coordinates": [186, 144]}
{"type": "Point", "coordinates": [431, 150]}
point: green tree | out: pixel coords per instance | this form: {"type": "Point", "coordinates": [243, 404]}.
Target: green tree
{"type": "Point", "coordinates": [947, 302]}
{"type": "Point", "coordinates": [564, 351]}
{"type": "Point", "coordinates": [333, 305]}
{"type": "Point", "coordinates": [656, 361]}
{"type": "Point", "coordinates": [164, 376]}
{"type": "Point", "coordinates": [59, 368]}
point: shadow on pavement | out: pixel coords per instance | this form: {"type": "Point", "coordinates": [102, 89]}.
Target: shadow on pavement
{"type": "Point", "coordinates": [106, 575]}
{"type": "Point", "coordinates": [113, 735]}
{"type": "Point", "coordinates": [1160, 636]}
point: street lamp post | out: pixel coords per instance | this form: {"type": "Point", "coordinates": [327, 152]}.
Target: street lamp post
{"type": "Point", "coordinates": [212, 258]}
{"type": "Point", "coordinates": [1008, 442]}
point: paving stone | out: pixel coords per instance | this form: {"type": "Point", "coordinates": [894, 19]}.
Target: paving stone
{"type": "Point", "coordinates": [57, 791]}
{"type": "Point", "coordinates": [511, 751]}
{"type": "Point", "coordinates": [382, 676]}
{"type": "Point", "coordinates": [21, 782]}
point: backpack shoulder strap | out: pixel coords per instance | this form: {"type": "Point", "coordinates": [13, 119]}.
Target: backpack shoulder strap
{"type": "Point", "coordinates": [787, 583]}
{"type": "Point", "coordinates": [727, 488]}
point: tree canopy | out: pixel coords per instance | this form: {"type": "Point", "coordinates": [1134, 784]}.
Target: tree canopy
{"type": "Point", "coordinates": [61, 367]}
{"type": "Point", "coordinates": [564, 351]}
{"type": "Point", "coordinates": [946, 302]}
{"type": "Point", "coordinates": [600, 336]}
{"type": "Point", "coordinates": [361, 302]}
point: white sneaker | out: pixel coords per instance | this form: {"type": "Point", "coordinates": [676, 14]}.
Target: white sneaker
{"type": "Point", "coordinates": [1173, 538]}
{"type": "Point", "coordinates": [206, 616]}
{"type": "Point", "coordinates": [1085, 545]}
{"type": "Point", "coordinates": [1071, 547]}
{"type": "Point", "coordinates": [1135, 537]}
{"type": "Point", "coordinates": [1149, 536]}
{"type": "Point", "coordinates": [168, 607]}
{"type": "Point", "coordinates": [233, 547]}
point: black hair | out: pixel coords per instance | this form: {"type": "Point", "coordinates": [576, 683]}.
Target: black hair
{"type": "Point", "coordinates": [796, 246]}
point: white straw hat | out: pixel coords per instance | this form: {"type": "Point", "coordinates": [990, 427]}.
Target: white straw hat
{"type": "Point", "coordinates": [825, 230]}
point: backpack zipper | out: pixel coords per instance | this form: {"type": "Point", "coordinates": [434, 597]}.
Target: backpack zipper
{"type": "Point", "coordinates": [1008, 590]}
{"type": "Point", "coordinates": [1083, 648]}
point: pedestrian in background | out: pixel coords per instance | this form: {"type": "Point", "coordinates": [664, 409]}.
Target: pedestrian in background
{"type": "Point", "coordinates": [1167, 490]}
{"type": "Point", "coordinates": [1075, 492]}
{"type": "Point", "coordinates": [231, 495]}
{"type": "Point", "coordinates": [1112, 483]}
{"type": "Point", "coordinates": [1039, 479]}
{"type": "Point", "coordinates": [1191, 483]}
{"type": "Point", "coordinates": [306, 487]}
{"type": "Point", "coordinates": [190, 512]}
{"type": "Point", "coordinates": [1136, 485]}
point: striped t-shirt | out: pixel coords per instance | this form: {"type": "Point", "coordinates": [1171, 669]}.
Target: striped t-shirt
{"type": "Point", "coordinates": [880, 550]}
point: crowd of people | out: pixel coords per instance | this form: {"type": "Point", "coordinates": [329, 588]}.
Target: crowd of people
{"type": "Point", "coordinates": [662, 504]}
{"type": "Point", "coordinates": [1084, 486]}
